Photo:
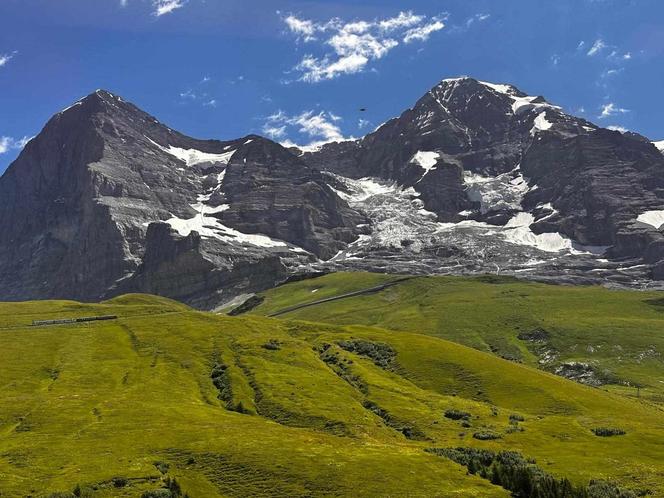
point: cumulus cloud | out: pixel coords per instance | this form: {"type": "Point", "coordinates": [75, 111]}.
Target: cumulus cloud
{"type": "Point", "coordinates": [349, 47]}
{"type": "Point", "coordinates": [319, 127]}
{"type": "Point", "coordinates": [162, 7]}
{"type": "Point", "coordinates": [611, 109]}
{"type": "Point", "coordinates": [5, 58]}
{"type": "Point", "coordinates": [9, 143]}
{"type": "Point", "coordinates": [597, 47]}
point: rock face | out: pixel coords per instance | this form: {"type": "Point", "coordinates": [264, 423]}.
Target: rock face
{"type": "Point", "coordinates": [107, 199]}
{"type": "Point", "coordinates": [478, 154]}
{"type": "Point", "coordinates": [475, 177]}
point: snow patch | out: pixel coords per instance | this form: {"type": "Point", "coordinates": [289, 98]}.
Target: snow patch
{"type": "Point", "coordinates": [494, 193]}
{"type": "Point", "coordinates": [517, 231]}
{"type": "Point", "coordinates": [653, 218]}
{"type": "Point", "coordinates": [71, 106]}
{"type": "Point", "coordinates": [211, 227]}
{"type": "Point", "coordinates": [540, 124]}
{"type": "Point", "coordinates": [191, 157]}
{"type": "Point", "coordinates": [519, 104]}
{"type": "Point", "coordinates": [505, 89]}
{"type": "Point", "coordinates": [425, 160]}
{"type": "Point", "coordinates": [659, 145]}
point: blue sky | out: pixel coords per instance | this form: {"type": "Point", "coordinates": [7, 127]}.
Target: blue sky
{"type": "Point", "coordinates": [300, 71]}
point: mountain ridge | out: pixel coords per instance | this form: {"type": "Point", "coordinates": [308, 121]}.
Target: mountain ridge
{"type": "Point", "coordinates": [475, 177]}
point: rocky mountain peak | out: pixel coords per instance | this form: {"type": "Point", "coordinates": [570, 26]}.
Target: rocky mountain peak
{"type": "Point", "coordinates": [475, 175]}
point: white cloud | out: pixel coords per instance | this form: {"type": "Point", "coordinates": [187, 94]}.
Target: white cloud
{"type": "Point", "coordinates": [403, 20]}
{"type": "Point", "coordinates": [9, 143]}
{"type": "Point", "coordinates": [597, 47]}
{"type": "Point", "coordinates": [349, 47]}
{"type": "Point", "coordinates": [611, 109]}
{"type": "Point", "coordinates": [5, 58]}
{"type": "Point", "coordinates": [162, 7]}
{"type": "Point", "coordinates": [621, 129]}
{"type": "Point", "coordinates": [275, 132]}
{"type": "Point", "coordinates": [210, 103]}
{"type": "Point", "coordinates": [188, 94]}
{"type": "Point", "coordinates": [627, 56]}
{"type": "Point", "coordinates": [611, 72]}
{"type": "Point", "coordinates": [319, 127]}
{"type": "Point", "coordinates": [301, 27]}
{"type": "Point", "coordinates": [422, 33]}
{"type": "Point", "coordinates": [363, 123]}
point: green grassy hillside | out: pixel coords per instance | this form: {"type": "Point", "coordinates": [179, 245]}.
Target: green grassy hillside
{"type": "Point", "coordinates": [618, 335]}
{"type": "Point", "coordinates": [253, 406]}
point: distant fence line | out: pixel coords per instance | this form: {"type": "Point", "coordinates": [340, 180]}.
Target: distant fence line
{"type": "Point", "coordinates": [73, 320]}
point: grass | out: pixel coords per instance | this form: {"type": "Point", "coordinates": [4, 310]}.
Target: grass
{"type": "Point", "coordinates": [619, 334]}
{"type": "Point", "coordinates": [132, 401]}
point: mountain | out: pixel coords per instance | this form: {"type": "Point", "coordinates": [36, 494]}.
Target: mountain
{"type": "Point", "coordinates": [107, 199]}
{"type": "Point", "coordinates": [476, 177]}
{"type": "Point", "coordinates": [496, 165]}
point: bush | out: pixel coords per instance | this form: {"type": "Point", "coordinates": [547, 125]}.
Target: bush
{"type": "Point", "coordinates": [602, 489]}
{"type": "Point", "coordinates": [486, 435]}
{"type": "Point", "coordinates": [222, 382]}
{"type": "Point", "coordinates": [162, 467]}
{"type": "Point", "coordinates": [608, 431]}
{"type": "Point", "coordinates": [515, 417]}
{"type": "Point", "coordinates": [523, 477]}
{"type": "Point", "coordinates": [119, 482]}
{"type": "Point", "coordinates": [171, 489]}
{"type": "Point", "coordinates": [157, 493]}
{"type": "Point", "coordinates": [381, 354]}
{"type": "Point", "coordinates": [457, 415]}
{"type": "Point", "coordinates": [272, 345]}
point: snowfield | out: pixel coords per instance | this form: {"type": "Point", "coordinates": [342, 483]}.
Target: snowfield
{"type": "Point", "coordinates": [425, 160]}
{"type": "Point", "coordinates": [191, 157]}
{"type": "Point", "coordinates": [653, 218]}
{"type": "Point", "coordinates": [400, 222]}
{"type": "Point", "coordinates": [495, 193]}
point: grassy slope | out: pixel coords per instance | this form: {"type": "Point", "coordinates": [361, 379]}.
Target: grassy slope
{"type": "Point", "coordinates": [84, 403]}
{"type": "Point", "coordinates": [621, 332]}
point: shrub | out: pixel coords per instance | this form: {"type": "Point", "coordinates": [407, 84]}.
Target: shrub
{"type": "Point", "coordinates": [457, 415]}
{"type": "Point", "coordinates": [157, 493]}
{"type": "Point", "coordinates": [162, 467]}
{"type": "Point", "coordinates": [602, 489]}
{"type": "Point", "coordinates": [222, 382]}
{"type": "Point", "coordinates": [515, 417]}
{"type": "Point", "coordinates": [486, 435]}
{"type": "Point", "coordinates": [523, 477]}
{"type": "Point", "coordinates": [171, 489]}
{"type": "Point", "coordinates": [381, 354]}
{"type": "Point", "coordinates": [608, 431]}
{"type": "Point", "coordinates": [119, 482]}
{"type": "Point", "coordinates": [272, 345]}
